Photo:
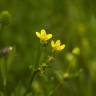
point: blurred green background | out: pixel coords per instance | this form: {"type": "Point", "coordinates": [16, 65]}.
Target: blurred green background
{"type": "Point", "coordinates": [71, 21]}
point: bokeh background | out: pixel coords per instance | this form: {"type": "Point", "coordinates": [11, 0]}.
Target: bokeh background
{"type": "Point", "coordinates": [71, 21]}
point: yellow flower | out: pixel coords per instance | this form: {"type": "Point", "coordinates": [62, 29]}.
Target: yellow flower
{"type": "Point", "coordinates": [43, 36]}
{"type": "Point", "coordinates": [56, 45]}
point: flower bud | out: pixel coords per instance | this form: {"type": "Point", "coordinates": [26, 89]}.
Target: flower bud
{"type": "Point", "coordinates": [5, 51]}
{"type": "Point", "coordinates": [76, 51]}
{"type": "Point", "coordinates": [66, 76]}
{"type": "Point", "coordinates": [5, 17]}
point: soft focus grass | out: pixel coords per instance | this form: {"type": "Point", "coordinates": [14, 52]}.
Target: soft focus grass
{"type": "Point", "coordinates": [74, 22]}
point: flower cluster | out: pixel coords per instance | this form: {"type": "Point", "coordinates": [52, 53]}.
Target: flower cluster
{"type": "Point", "coordinates": [44, 37]}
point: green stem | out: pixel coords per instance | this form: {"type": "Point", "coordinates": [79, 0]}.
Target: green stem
{"type": "Point", "coordinates": [53, 91]}
{"type": "Point", "coordinates": [2, 27]}
{"type": "Point", "coordinates": [38, 56]}
{"type": "Point", "coordinates": [38, 59]}
{"type": "Point", "coordinates": [30, 82]}
{"type": "Point", "coordinates": [1, 32]}
{"type": "Point", "coordinates": [4, 75]}
{"type": "Point", "coordinates": [5, 79]}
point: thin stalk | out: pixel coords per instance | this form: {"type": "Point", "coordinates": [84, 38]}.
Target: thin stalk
{"type": "Point", "coordinates": [2, 26]}
{"type": "Point", "coordinates": [5, 79]}
{"type": "Point", "coordinates": [30, 82]}
{"type": "Point", "coordinates": [53, 91]}
{"type": "Point", "coordinates": [38, 59]}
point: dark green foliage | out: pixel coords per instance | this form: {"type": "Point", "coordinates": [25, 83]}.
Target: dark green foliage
{"type": "Point", "coordinates": [71, 21]}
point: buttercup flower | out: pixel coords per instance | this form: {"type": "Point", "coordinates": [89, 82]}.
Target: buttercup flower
{"type": "Point", "coordinates": [43, 36]}
{"type": "Point", "coordinates": [56, 45]}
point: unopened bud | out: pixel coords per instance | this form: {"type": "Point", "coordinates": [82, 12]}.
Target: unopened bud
{"type": "Point", "coordinates": [5, 51]}
{"type": "Point", "coordinates": [76, 51]}
{"type": "Point", "coordinates": [5, 17]}
{"type": "Point", "coordinates": [66, 76]}
{"type": "Point", "coordinates": [50, 58]}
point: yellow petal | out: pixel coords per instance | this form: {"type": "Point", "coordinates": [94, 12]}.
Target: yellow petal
{"type": "Point", "coordinates": [61, 47]}
{"type": "Point", "coordinates": [49, 36]}
{"type": "Point", "coordinates": [58, 42]}
{"type": "Point", "coordinates": [43, 32]}
{"type": "Point", "coordinates": [38, 34]}
{"type": "Point", "coordinates": [52, 43]}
